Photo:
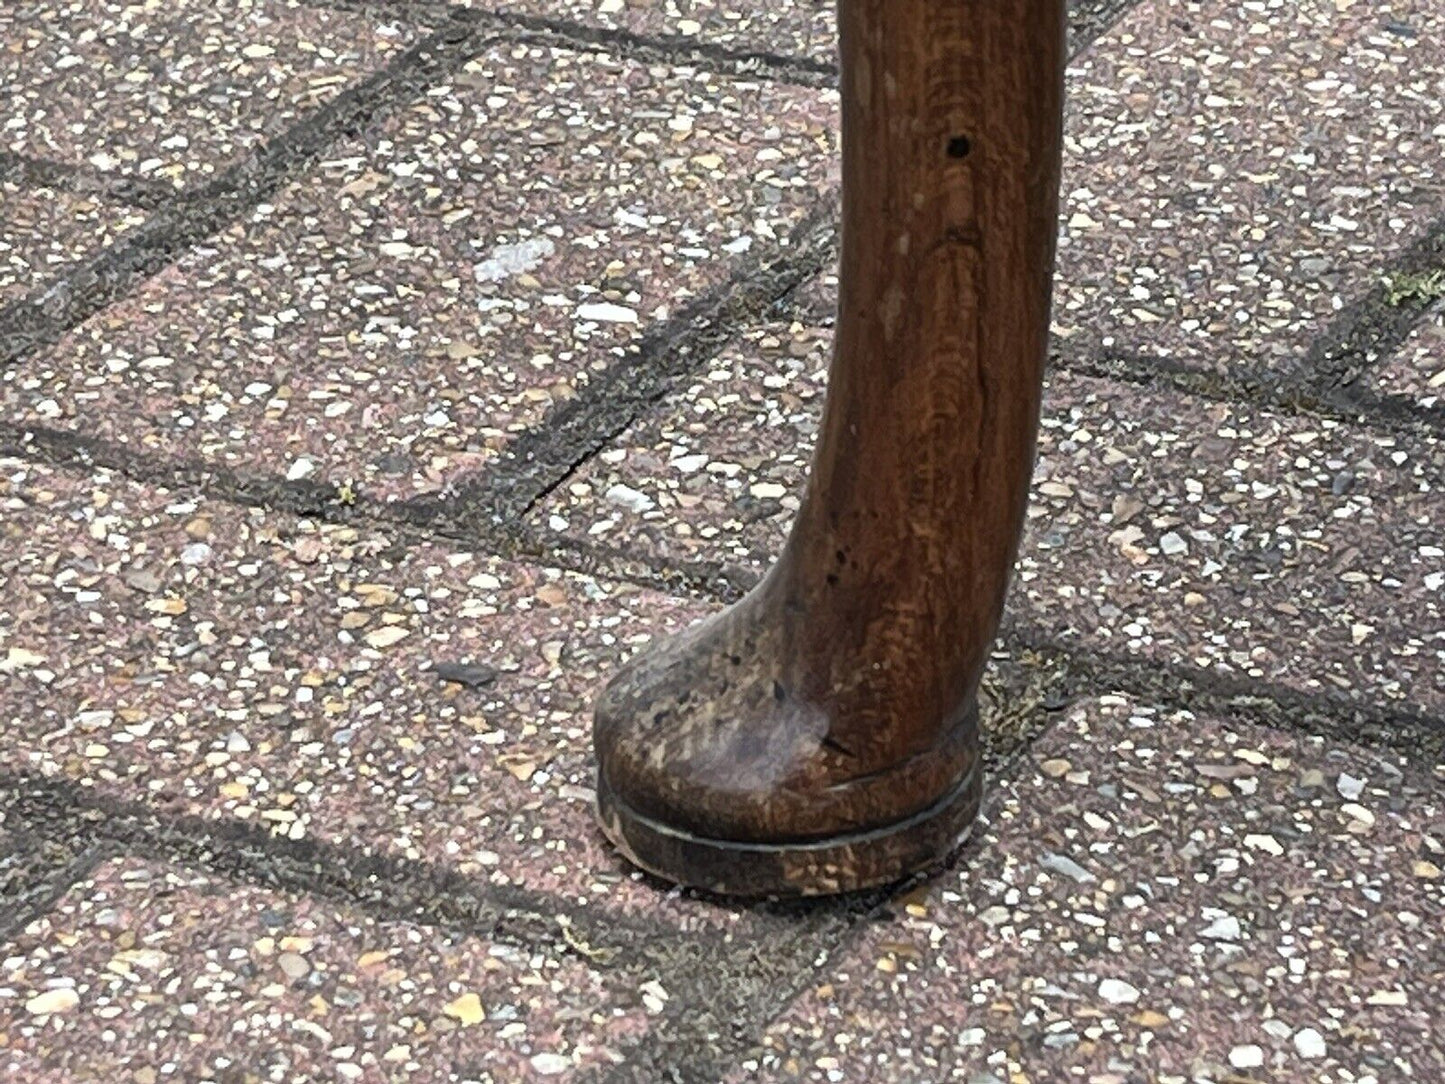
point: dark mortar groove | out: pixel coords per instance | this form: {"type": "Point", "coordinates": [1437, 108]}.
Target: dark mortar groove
{"type": "Point", "coordinates": [541, 458]}
{"type": "Point", "coordinates": [41, 320]}
{"type": "Point", "coordinates": [669, 49]}
{"type": "Point", "coordinates": [1339, 716]}
{"type": "Point", "coordinates": [27, 172]}
{"type": "Point", "coordinates": [1393, 412]}
{"type": "Point", "coordinates": [36, 872]}
{"type": "Point", "coordinates": [1370, 329]}
{"type": "Point", "coordinates": [70, 450]}
{"type": "Point", "coordinates": [1088, 19]}
{"type": "Point", "coordinates": [1413, 734]}
{"type": "Point", "coordinates": [412, 525]}
{"type": "Point", "coordinates": [706, 581]}
{"type": "Point", "coordinates": [721, 1006]}
{"type": "Point", "coordinates": [386, 887]}
{"type": "Point", "coordinates": [1266, 392]}
{"type": "Point", "coordinates": [1327, 382]}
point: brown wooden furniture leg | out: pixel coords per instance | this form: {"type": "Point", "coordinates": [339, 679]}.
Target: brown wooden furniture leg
{"type": "Point", "coordinates": [822, 734]}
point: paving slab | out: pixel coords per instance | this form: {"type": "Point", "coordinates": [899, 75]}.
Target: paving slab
{"type": "Point", "coordinates": [45, 233]}
{"type": "Point", "coordinates": [1156, 897]}
{"type": "Point", "coordinates": [1236, 174]}
{"type": "Point", "coordinates": [144, 972]}
{"type": "Point", "coordinates": [1164, 526]}
{"type": "Point", "coordinates": [1415, 371]}
{"type": "Point", "coordinates": [214, 662]}
{"type": "Point", "coordinates": [1238, 541]}
{"type": "Point", "coordinates": [390, 321]}
{"type": "Point", "coordinates": [175, 91]}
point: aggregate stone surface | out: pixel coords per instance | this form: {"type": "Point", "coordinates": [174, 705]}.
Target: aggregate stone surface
{"type": "Point", "coordinates": [390, 321]}
{"type": "Point", "coordinates": [1210, 535]}
{"type": "Point", "coordinates": [787, 29]}
{"type": "Point", "coordinates": [1237, 174]}
{"type": "Point", "coordinates": [144, 972]}
{"type": "Point", "coordinates": [175, 91]}
{"type": "Point", "coordinates": [318, 681]}
{"type": "Point", "coordinates": [1157, 896]}
{"type": "Point", "coordinates": [243, 747]}
{"type": "Point", "coordinates": [45, 233]}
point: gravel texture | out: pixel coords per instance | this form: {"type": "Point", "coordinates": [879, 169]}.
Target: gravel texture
{"type": "Point", "coordinates": [45, 233]}
{"type": "Point", "coordinates": [147, 973]}
{"type": "Point", "coordinates": [236, 665]}
{"type": "Point", "coordinates": [288, 798]}
{"type": "Point", "coordinates": [174, 91]}
{"type": "Point", "coordinates": [792, 28]}
{"type": "Point", "coordinates": [788, 30]}
{"type": "Point", "coordinates": [1164, 526]}
{"type": "Point", "coordinates": [1157, 897]}
{"type": "Point", "coordinates": [1236, 174]}
{"type": "Point", "coordinates": [390, 321]}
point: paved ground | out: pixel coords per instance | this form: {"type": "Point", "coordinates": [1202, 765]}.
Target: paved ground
{"type": "Point", "coordinates": [376, 375]}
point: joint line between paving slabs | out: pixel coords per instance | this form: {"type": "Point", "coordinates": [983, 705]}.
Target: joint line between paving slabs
{"type": "Point", "coordinates": [1089, 20]}
{"type": "Point", "coordinates": [1295, 398]}
{"type": "Point", "coordinates": [543, 457]}
{"type": "Point", "coordinates": [76, 453]}
{"type": "Point", "coordinates": [674, 50]}
{"type": "Point", "coordinates": [389, 888]}
{"type": "Point", "coordinates": [722, 1006]}
{"type": "Point", "coordinates": [44, 317]}
{"type": "Point", "coordinates": [31, 173]}
{"type": "Point", "coordinates": [1417, 736]}
{"type": "Point", "coordinates": [52, 880]}
{"type": "Point", "coordinates": [1392, 412]}
{"type": "Point", "coordinates": [1367, 332]}
{"type": "Point", "coordinates": [1286, 394]}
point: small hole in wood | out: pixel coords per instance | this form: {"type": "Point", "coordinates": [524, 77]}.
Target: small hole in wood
{"type": "Point", "coordinates": [958, 147]}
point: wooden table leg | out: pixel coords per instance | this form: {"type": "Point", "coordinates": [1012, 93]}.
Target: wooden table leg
{"type": "Point", "coordinates": [822, 734]}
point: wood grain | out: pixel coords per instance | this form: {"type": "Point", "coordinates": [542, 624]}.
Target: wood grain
{"type": "Point", "coordinates": [821, 734]}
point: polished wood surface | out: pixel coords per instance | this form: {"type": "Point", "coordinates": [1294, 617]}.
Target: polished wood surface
{"type": "Point", "coordinates": [821, 735]}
